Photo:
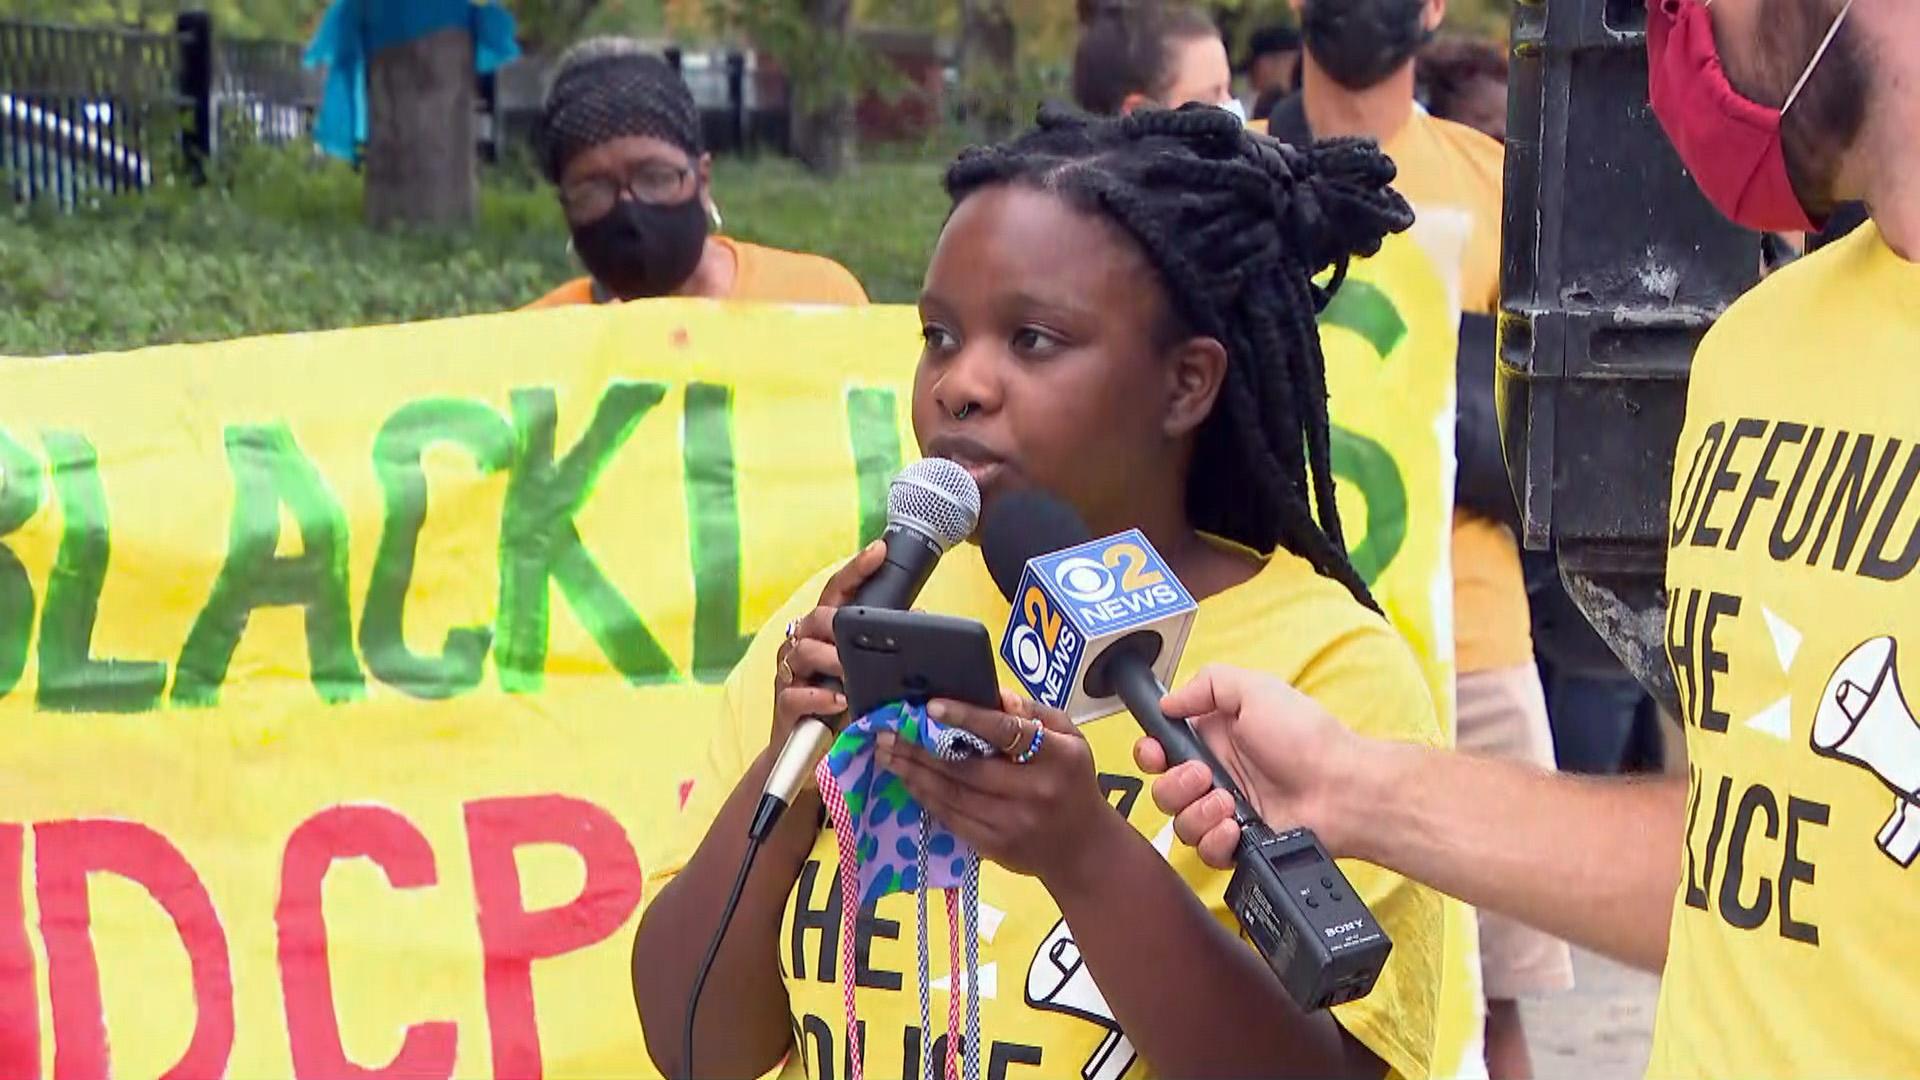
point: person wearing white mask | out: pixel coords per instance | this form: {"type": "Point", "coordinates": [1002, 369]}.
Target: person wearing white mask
{"type": "Point", "coordinates": [1147, 54]}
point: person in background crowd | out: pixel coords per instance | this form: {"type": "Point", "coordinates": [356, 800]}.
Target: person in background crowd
{"type": "Point", "coordinates": [1602, 721]}
{"type": "Point", "coordinates": [1119, 312]}
{"type": "Point", "coordinates": [1273, 66]}
{"type": "Point", "coordinates": [1776, 889]}
{"type": "Point", "coordinates": [1465, 80]}
{"type": "Point", "coordinates": [1357, 79]}
{"type": "Point", "coordinates": [1148, 53]}
{"type": "Point", "coordinates": [619, 138]}
{"type": "Point", "coordinates": [1777, 249]}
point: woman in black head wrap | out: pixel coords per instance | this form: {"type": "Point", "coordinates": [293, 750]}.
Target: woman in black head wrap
{"type": "Point", "coordinates": [619, 138]}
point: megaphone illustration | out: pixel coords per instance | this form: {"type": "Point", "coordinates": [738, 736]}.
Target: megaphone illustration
{"type": "Point", "coordinates": [1864, 720]}
{"type": "Point", "coordinates": [1059, 981]}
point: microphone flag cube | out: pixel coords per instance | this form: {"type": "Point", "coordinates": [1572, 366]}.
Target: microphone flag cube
{"type": "Point", "coordinates": [1072, 605]}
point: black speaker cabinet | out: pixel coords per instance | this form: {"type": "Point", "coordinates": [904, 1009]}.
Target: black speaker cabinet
{"type": "Point", "coordinates": [1613, 267]}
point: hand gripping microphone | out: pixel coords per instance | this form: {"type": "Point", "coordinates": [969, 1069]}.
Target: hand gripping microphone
{"type": "Point", "coordinates": [932, 505]}
{"type": "Point", "coordinates": [1099, 625]}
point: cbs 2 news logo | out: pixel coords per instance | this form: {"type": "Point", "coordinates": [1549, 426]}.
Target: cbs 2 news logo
{"type": "Point", "coordinates": [1081, 594]}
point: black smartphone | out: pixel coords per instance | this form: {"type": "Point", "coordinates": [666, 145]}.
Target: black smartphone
{"type": "Point", "coordinates": [913, 656]}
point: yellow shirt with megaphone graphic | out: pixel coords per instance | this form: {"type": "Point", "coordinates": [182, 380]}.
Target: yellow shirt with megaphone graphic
{"type": "Point", "coordinates": [1793, 619]}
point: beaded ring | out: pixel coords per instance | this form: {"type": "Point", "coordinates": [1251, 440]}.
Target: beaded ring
{"type": "Point", "coordinates": [1033, 748]}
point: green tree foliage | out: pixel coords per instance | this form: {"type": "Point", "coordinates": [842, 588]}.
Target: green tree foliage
{"type": "Point", "coordinates": [287, 20]}
{"type": "Point", "coordinates": [548, 26]}
{"type": "Point", "coordinates": [544, 24]}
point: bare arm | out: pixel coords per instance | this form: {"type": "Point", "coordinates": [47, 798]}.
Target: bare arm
{"type": "Point", "coordinates": [1595, 861]}
{"type": "Point", "coordinates": [743, 1025]}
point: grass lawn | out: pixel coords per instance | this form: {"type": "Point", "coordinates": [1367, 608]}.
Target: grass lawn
{"type": "Point", "coordinates": [277, 245]}
{"type": "Point", "coordinates": [880, 222]}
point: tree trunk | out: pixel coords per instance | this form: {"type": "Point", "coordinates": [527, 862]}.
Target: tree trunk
{"type": "Point", "coordinates": [823, 126]}
{"type": "Point", "coordinates": [420, 160]}
{"type": "Point", "coordinates": [989, 77]}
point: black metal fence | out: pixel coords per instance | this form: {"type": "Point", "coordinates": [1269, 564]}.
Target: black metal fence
{"type": "Point", "coordinates": [89, 111]}
{"type": "Point", "coordinates": [261, 93]}
{"type": "Point", "coordinates": [86, 112]}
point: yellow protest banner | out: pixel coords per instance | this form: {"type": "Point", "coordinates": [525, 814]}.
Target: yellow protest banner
{"type": "Point", "coordinates": [351, 680]}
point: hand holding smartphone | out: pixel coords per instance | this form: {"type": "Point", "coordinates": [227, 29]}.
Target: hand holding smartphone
{"type": "Point", "coordinates": [913, 656]}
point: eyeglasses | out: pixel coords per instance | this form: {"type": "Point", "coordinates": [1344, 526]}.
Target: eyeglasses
{"type": "Point", "coordinates": [653, 182]}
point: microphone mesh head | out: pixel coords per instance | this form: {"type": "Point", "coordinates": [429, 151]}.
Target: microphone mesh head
{"type": "Point", "coordinates": [935, 497]}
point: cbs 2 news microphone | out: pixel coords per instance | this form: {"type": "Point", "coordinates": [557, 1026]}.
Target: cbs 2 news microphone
{"type": "Point", "coordinates": [1100, 627]}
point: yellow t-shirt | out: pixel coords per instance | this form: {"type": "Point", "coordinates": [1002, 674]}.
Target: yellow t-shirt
{"type": "Point", "coordinates": [1447, 165]}
{"type": "Point", "coordinates": [1792, 608]}
{"type": "Point", "coordinates": [1037, 1017]}
{"type": "Point", "coordinates": [761, 273]}
{"type": "Point", "coordinates": [1492, 621]}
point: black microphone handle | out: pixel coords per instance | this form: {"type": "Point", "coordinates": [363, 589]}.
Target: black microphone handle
{"type": "Point", "coordinates": [896, 584]}
{"type": "Point", "coordinates": [911, 557]}
{"type": "Point", "coordinates": [1140, 690]}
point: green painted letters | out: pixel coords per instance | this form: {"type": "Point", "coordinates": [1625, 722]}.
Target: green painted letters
{"type": "Point", "coordinates": [71, 680]}
{"type": "Point", "coordinates": [1365, 310]}
{"type": "Point", "coordinates": [268, 469]}
{"type": "Point", "coordinates": [875, 434]}
{"type": "Point", "coordinates": [1367, 465]}
{"type": "Point", "coordinates": [19, 501]}
{"type": "Point", "coordinates": [713, 522]}
{"type": "Point", "coordinates": [538, 541]}
{"type": "Point", "coordinates": [396, 458]}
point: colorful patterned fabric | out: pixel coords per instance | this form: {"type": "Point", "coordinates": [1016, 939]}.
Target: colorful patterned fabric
{"type": "Point", "coordinates": [889, 844]}
{"type": "Point", "coordinates": [885, 818]}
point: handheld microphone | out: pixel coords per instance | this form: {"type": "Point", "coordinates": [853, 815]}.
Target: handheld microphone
{"type": "Point", "coordinates": [1099, 625]}
{"type": "Point", "coordinates": [932, 505]}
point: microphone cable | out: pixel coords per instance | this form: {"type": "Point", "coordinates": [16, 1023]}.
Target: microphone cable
{"type": "Point", "coordinates": [932, 505]}
{"type": "Point", "coordinates": [713, 950]}
{"type": "Point", "coordinates": [765, 817]}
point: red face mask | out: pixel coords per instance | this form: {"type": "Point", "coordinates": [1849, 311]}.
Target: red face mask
{"type": "Point", "coordinates": [1730, 143]}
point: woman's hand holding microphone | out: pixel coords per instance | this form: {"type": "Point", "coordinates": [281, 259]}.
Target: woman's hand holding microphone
{"type": "Point", "coordinates": [810, 652]}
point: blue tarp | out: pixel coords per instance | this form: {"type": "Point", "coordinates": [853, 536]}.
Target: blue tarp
{"type": "Point", "coordinates": [354, 30]}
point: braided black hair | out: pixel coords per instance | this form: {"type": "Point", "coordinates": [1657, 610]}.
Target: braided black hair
{"type": "Point", "coordinates": [1237, 225]}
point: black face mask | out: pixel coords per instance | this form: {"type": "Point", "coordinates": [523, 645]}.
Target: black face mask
{"type": "Point", "coordinates": [1360, 42]}
{"type": "Point", "coordinates": [638, 249]}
